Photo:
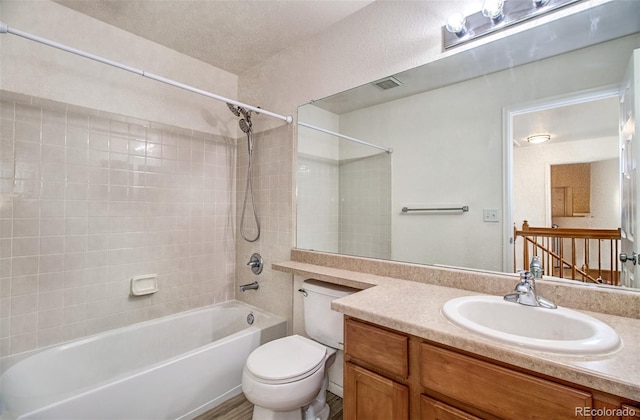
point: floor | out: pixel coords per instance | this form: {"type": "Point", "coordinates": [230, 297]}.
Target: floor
{"type": "Point", "coordinates": [238, 408]}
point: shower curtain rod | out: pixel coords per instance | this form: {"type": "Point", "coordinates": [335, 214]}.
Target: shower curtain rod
{"type": "Point", "coordinates": [4, 28]}
{"type": "Point", "coordinates": [324, 130]}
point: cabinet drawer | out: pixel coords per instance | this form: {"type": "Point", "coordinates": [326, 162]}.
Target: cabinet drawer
{"type": "Point", "coordinates": [497, 390]}
{"type": "Point", "coordinates": [380, 348]}
{"type": "Point", "coordinates": [431, 409]}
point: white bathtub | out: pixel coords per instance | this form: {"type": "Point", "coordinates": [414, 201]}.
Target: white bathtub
{"type": "Point", "coordinates": [173, 367]}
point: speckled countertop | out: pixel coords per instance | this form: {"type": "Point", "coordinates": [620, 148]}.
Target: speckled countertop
{"type": "Point", "coordinates": [415, 308]}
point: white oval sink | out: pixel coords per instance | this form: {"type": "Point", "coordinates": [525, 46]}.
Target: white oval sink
{"type": "Point", "coordinates": [558, 330]}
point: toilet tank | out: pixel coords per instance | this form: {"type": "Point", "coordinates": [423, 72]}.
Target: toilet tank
{"type": "Point", "coordinates": [321, 322]}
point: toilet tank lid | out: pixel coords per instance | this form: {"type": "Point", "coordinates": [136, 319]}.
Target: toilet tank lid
{"type": "Point", "coordinates": [329, 289]}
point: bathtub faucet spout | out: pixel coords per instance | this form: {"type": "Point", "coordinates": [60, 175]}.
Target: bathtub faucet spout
{"type": "Point", "coordinates": [249, 286]}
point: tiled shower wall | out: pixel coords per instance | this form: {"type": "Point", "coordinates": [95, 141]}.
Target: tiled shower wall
{"type": "Point", "coordinates": [344, 206]}
{"type": "Point", "coordinates": [365, 206]}
{"type": "Point", "coordinates": [272, 180]}
{"type": "Point", "coordinates": [88, 200]}
{"type": "Point", "coordinates": [317, 182]}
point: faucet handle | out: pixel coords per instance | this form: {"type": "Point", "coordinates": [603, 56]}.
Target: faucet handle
{"type": "Point", "coordinates": [525, 275]}
{"type": "Point", "coordinates": [255, 263]}
{"type": "Point", "coordinates": [526, 282]}
{"type": "Point", "coordinates": [522, 288]}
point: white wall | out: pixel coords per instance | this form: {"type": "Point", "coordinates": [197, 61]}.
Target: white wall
{"type": "Point", "coordinates": [605, 208]}
{"type": "Point", "coordinates": [314, 142]}
{"type": "Point", "coordinates": [365, 46]}
{"type": "Point", "coordinates": [531, 178]}
{"type": "Point", "coordinates": [41, 71]}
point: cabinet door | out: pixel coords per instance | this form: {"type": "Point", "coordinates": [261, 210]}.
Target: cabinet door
{"type": "Point", "coordinates": [431, 409]}
{"type": "Point", "coordinates": [368, 396]}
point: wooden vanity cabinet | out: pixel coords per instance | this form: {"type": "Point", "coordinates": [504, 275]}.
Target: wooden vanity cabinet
{"type": "Point", "coordinates": [390, 375]}
{"type": "Point", "coordinates": [375, 373]}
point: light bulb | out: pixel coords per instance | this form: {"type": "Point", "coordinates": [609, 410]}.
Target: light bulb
{"type": "Point", "coordinates": [493, 9]}
{"type": "Point", "coordinates": [538, 138]}
{"type": "Point", "coordinates": [456, 24]}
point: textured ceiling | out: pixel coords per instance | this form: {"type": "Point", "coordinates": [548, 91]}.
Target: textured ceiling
{"type": "Point", "coordinates": [233, 35]}
{"type": "Point", "coordinates": [587, 120]}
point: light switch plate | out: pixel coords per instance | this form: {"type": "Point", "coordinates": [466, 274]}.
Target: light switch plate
{"type": "Point", "coordinates": [490, 215]}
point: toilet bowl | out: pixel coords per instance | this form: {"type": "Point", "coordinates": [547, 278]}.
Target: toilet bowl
{"type": "Point", "coordinates": [287, 379]}
{"type": "Point", "coordinates": [286, 375]}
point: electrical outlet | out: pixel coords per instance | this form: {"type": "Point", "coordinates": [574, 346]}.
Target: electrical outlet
{"type": "Point", "coordinates": [490, 215]}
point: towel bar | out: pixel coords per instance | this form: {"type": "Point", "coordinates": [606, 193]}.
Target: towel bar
{"type": "Point", "coordinates": [462, 209]}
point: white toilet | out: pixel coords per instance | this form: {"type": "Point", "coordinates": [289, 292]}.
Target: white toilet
{"type": "Point", "coordinates": [287, 378]}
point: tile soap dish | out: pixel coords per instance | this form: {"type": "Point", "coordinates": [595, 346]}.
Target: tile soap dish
{"type": "Point", "coordinates": [144, 285]}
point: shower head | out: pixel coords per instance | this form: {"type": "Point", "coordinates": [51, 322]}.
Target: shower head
{"type": "Point", "coordinates": [246, 114]}
{"type": "Point", "coordinates": [245, 121]}
{"type": "Point", "coordinates": [234, 109]}
{"type": "Point", "coordinates": [245, 125]}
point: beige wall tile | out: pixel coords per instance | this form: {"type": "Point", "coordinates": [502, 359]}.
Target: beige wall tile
{"type": "Point", "coordinates": [110, 204]}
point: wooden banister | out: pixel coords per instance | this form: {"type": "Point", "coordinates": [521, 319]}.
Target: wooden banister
{"type": "Point", "coordinates": [549, 244]}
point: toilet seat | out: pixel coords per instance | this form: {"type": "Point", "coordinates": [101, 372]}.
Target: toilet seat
{"type": "Point", "coordinates": [286, 360]}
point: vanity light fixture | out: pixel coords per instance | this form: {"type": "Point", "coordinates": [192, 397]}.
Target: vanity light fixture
{"type": "Point", "coordinates": [538, 138]}
{"type": "Point", "coordinates": [495, 15]}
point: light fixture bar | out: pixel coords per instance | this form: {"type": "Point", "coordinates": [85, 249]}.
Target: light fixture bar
{"type": "Point", "coordinates": [515, 11]}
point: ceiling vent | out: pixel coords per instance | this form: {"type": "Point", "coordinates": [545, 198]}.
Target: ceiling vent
{"type": "Point", "coordinates": [387, 83]}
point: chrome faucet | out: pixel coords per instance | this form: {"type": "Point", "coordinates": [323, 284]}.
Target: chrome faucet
{"type": "Point", "coordinates": [536, 267]}
{"type": "Point", "coordinates": [525, 293]}
{"type": "Point", "coordinates": [249, 286]}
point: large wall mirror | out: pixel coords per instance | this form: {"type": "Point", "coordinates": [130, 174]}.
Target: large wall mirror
{"type": "Point", "coordinates": [458, 128]}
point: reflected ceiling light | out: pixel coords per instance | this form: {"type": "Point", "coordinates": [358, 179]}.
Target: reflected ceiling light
{"type": "Point", "coordinates": [538, 138]}
{"type": "Point", "coordinates": [495, 15]}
